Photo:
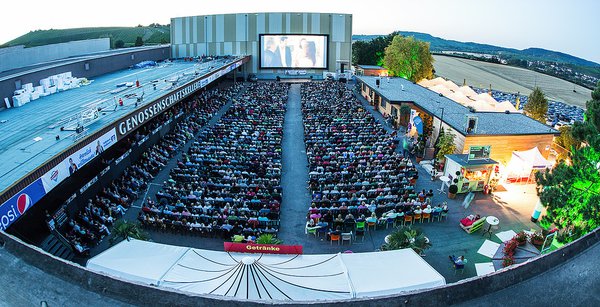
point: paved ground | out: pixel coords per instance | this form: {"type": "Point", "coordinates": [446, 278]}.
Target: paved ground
{"type": "Point", "coordinates": [26, 285]}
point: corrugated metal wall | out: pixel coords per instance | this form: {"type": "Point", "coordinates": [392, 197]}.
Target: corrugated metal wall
{"type": "Point", "coordinates": [238, 34]}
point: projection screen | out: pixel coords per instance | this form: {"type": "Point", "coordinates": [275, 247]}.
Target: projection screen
{"type": "Point", "coordinates": [293, 51]}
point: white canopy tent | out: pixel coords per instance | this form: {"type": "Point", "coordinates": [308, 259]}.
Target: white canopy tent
{"type": "Point", "coordinates": [505, 106]}
{"type": "Point", "coordinates": [268, 276]}
{"type": "Point", "coordinates": [467, 91]}
{"type": "Point", "coordinates": [522, 163]}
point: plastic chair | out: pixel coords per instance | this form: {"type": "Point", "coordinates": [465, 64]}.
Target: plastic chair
{"type": "Point", "coordinates": [435, 215]}
{"type": "Point", "coordinates": [408, 218]}
{"type": "Point", "coordinates": [371, 224]}
{"type": "Point", "coordinates": [444, 215]}
{"type": "Point", "coordinates": [347, 236]}
{"type": "Point", "coordinates": [360, 232]}
{"type": "Point", "coordinates": [390, 221]}
{"type": "Point", "coordinates": [334, 237]}
{"type": "Point", "coordinates": [417, 216]}
{"type": "Point", "coordinates": [426, 216]}
{"type": "Point", "coordinates": [360, 225]}
{"type": "Point", "coordinates": [460, 268]}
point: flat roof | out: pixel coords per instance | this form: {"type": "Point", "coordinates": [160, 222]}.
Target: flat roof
{"type": "Point", "coordinates": [21, 154]}
{"type": "Point", "coordinates": [462, 159]}
{"type": "Point", "coordinates": [489, 123]}
{"type": "Point", "coordinates": [17, 72]}
{"type": "Point", "coordinates": [370, 66]}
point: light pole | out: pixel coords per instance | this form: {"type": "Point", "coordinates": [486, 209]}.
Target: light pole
{"type": "Point", "coordinates": [433, 171]}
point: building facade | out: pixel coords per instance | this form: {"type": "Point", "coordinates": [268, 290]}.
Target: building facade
{"type": "Point", "coordinates": [239, 34]}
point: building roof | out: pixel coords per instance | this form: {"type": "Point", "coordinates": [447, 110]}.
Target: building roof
{"type": "Point", "coordinates": [371, 67]}
{"type": "Point", "coordinates": [41, 119]}
{"type": "Point", "coordinates": [462, 159]}
{"type": "Point", "coordinates": [396, 90]}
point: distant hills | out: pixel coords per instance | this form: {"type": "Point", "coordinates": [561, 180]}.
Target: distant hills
{"type": "Point", "coordinates": [154, 34]}
{"type": "Point", "coordinates": [532, 54]}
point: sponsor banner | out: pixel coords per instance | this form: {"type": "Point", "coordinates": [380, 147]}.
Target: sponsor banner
{"type": "Point", "coordinates": [80, 158]}
{"type": "Point", "coordinates": [87, 185]}
{"type": "Point", "coordinates": [55, 176]}
{"type": "Point", "coordinates": [104, 171]}
{"type": "Point", "coordinates": [204, 82]}
{"type": "Point", "coordinates": [262, 248]}
{"type": "Point", "coordinates": [119, 159]}
{"type": "Point", "coordinates": [15, 207]}
{"type": "Point", "coordinates": [142, 141]}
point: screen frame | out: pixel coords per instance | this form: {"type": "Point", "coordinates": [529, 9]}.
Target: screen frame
{"type": "Point", "coordinates": [260, 40]}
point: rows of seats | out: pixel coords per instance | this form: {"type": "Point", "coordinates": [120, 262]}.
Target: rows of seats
{"type": "Point", "coordinates": [354, 167]}
{"type": "Point", "coordinates": [228, 183]}
{"type": "Point", "coordinates": [89, 225]}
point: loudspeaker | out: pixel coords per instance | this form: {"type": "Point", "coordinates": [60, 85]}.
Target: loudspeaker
{"type": "Point", "coordinates": [377, 81]}
{"type": "Point", "coordinates": [278, 78]}
{"type": "Point", "coordinates": [342, 68]}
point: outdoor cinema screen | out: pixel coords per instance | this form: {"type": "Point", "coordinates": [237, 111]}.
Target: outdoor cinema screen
{"type": "Point", "coordinates": [293, 51]}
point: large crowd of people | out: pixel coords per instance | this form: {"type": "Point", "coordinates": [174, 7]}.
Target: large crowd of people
{"type": "Point", "coordinates": [94, 221]}
{"type": "Point", "coordinates": [228, 183]}
{"type": "Point", "coordinates": [355, 170]}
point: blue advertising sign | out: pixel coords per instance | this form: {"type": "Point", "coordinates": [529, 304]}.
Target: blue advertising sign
{"type": "Point", "coordinates": [418, 124]}
{"type": "Point", "coordinates": [15, 207]}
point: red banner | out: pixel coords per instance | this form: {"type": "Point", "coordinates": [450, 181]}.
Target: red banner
{"type": "Point", "coordinates": [262, 248]}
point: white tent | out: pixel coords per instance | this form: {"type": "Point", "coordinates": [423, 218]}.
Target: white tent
{"type": "Point", "coordinates": [436, 81]}
{"type": "Point", "coordinates": [467, 91]}
{"type": "Point", "coordinates": [451, 85]}
{"type": "Point", "coordinates": [486, 97]}
{"type": "Point", "coordinates": [505, 106]}
{"type": "Point", "coordinates": [460, 98]}
{"type": "Point", "coordinates": [424, 83]}
{"type": "Point", "coordinates": [522, 163]}
{"type": "Point", "coordinates": [441, 89]}
{"type": "Point", "coordinates": [267, 276]}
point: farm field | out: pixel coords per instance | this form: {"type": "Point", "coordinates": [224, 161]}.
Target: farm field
{"type": "Point", "coordinates": [509, 79]}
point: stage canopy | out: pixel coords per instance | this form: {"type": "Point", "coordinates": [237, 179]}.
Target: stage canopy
{"type": "Point", "coordinates": [268, 276]}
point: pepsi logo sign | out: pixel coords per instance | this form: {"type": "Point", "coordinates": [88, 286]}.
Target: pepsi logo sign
{"type": "Point", "coordinates": [23, 203]}
{"type": "Point", "coordinates": [54, 175]}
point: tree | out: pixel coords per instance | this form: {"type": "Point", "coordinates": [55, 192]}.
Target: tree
{"type": "Point", "coordinates": [404, 114]}
{"type": "Point", "coordinates": [408, 58]}
{"type": "Point", "coordinates": [445, 145]}
{"type": "Point", "coordinates": [124, 230]}
{"type": "Point", "coordinates": [139, 41]}
{"type": "Point", "coordinates": [588, 131]}
{"type": "Point", "coordinates": [571, 191]}
{"type": "Point", "coordinates": [371, 52]}
{"type": "Point", "coordinates": [119, 44]}
{"type": "Point", "coordinates": [407, 237]}
{"type": "Point", "coordinates": [163, 41]}
{"type": "Point", "coordinates": [537, 105]}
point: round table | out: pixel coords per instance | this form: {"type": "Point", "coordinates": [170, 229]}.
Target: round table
{"type": "Point", "coordinates": [445, 181]}
{"type": "Point", "coordinates": [491, 221]}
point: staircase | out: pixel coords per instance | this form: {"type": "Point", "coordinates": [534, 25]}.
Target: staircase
{"type": "Point", "coordinates": [57, 248]}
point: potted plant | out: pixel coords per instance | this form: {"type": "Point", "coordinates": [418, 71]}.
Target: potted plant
{"type": "Point", "coordinates": [507, 261]}
{"type": "Point", "coordinates": [521, 238]}
{"type": "Point", "coordinates": [420, 149]}
{"type": "Point", "coordinates": [536, 239]}
{"type": "Point", "coordinates": [406, 237]}
{"type": "Point", "coordinates": [453, 189]}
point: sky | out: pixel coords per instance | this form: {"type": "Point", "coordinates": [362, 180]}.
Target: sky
{"type": "Point", "coordinates": [567, 26]}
